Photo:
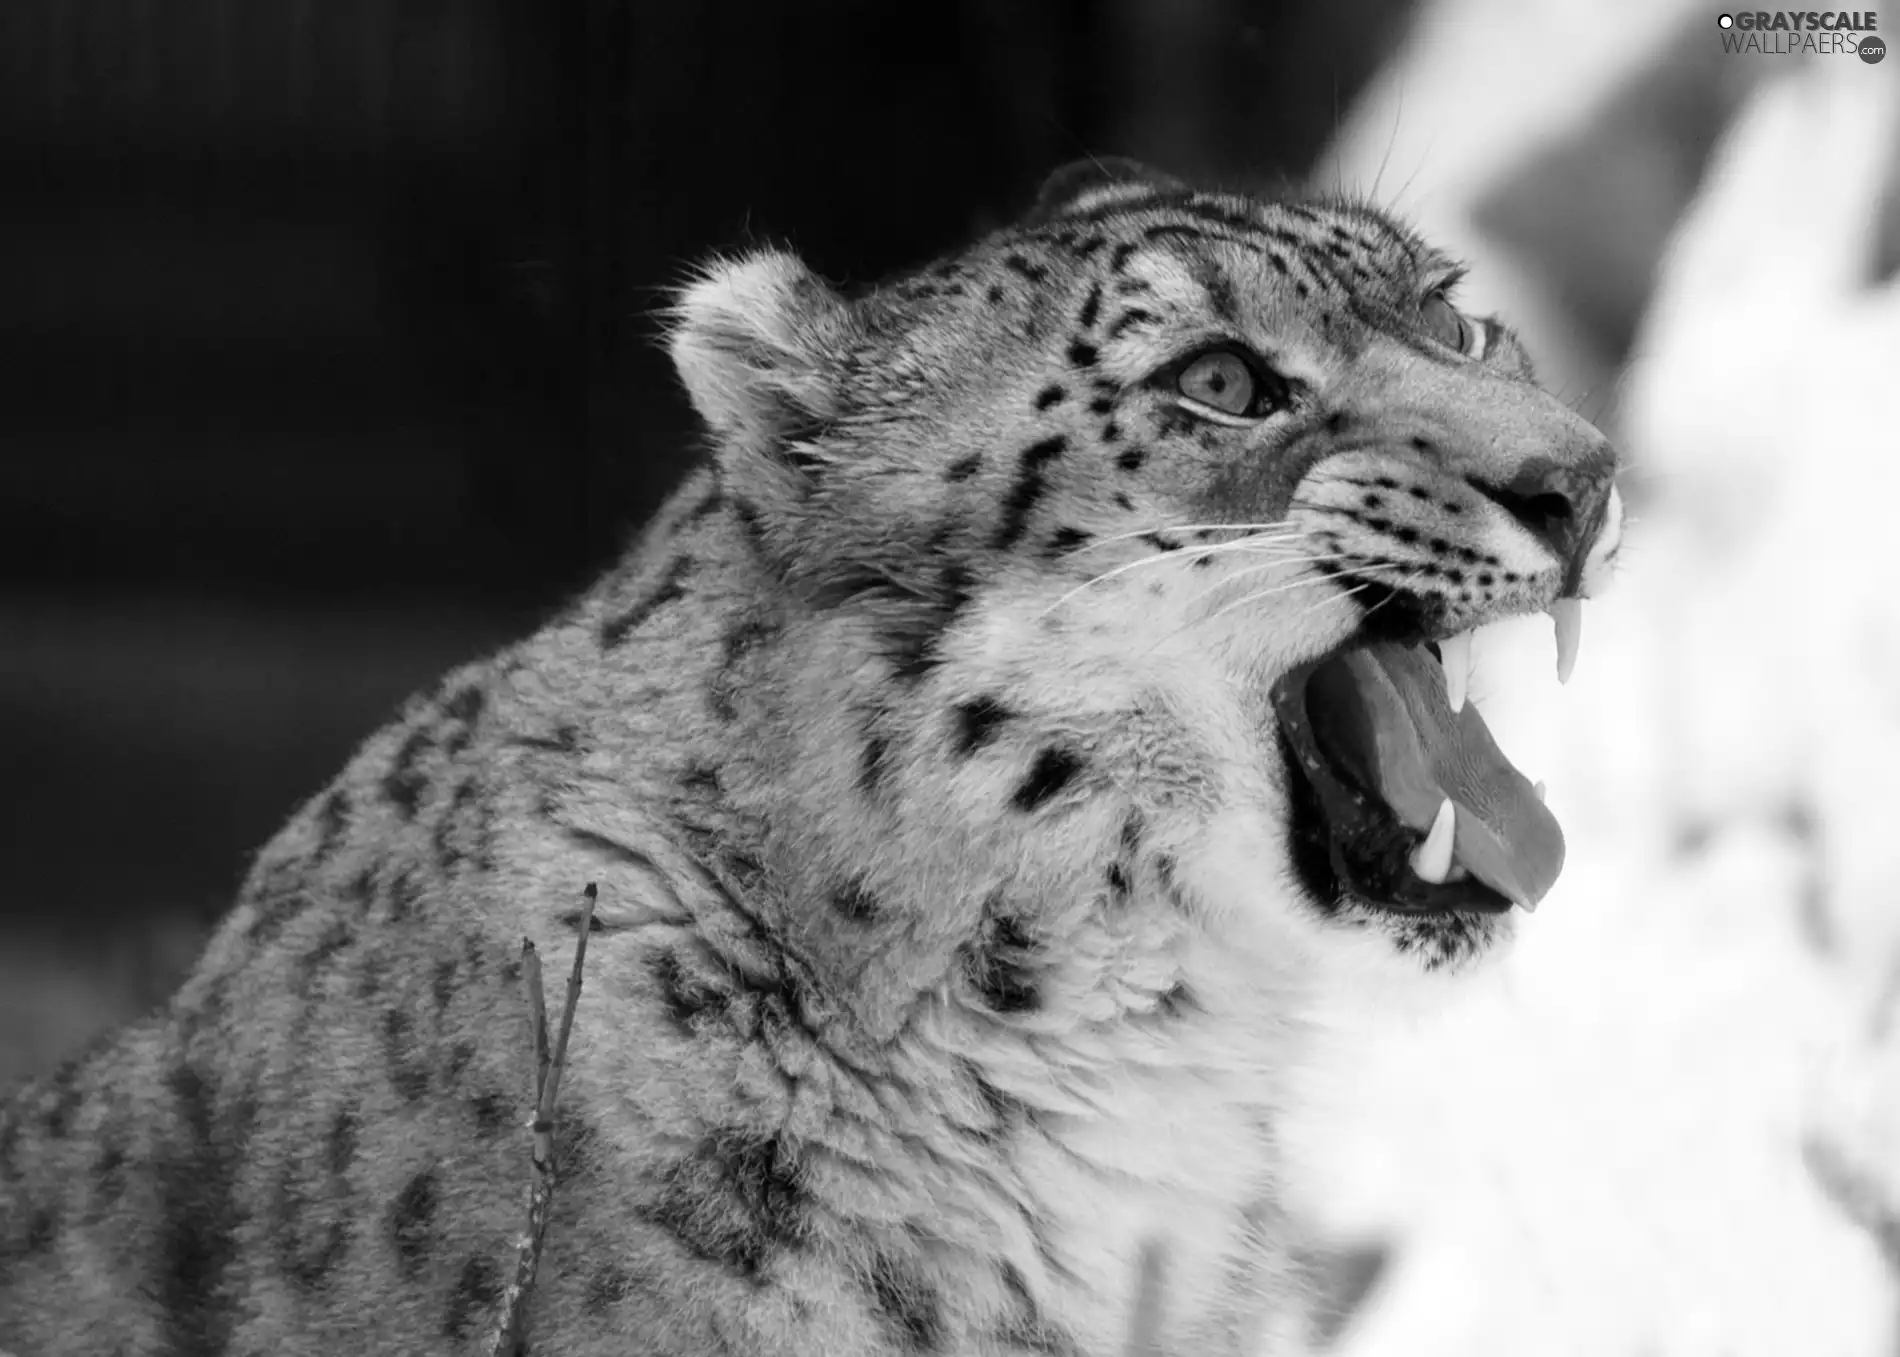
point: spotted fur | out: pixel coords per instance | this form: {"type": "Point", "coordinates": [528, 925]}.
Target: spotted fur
{"type": "Point", "coordinates": [950, 940]}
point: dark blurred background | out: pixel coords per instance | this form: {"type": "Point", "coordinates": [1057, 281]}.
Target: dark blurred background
{"type": "Point", "coordinates": [326, 358]}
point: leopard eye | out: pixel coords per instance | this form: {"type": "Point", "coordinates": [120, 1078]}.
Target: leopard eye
{"type": "Point", "coordinates": [1219, 380]}
{"type": "Point", "coordinates": [1450, 327]}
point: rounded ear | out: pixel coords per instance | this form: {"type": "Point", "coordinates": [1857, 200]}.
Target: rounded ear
{"type": "Point", "coordinates": [755, 341]}
{"type": "Point", "coordinates": [759, 342]}
{"type": "Point", "coordinates": [1081, 184]}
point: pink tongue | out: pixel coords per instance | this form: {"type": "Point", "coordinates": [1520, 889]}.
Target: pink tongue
{"type": "Point", "coordinates": [1382, 712]}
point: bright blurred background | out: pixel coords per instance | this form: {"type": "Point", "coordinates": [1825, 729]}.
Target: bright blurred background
{"type": "Point", "coordinates": [325, 362]}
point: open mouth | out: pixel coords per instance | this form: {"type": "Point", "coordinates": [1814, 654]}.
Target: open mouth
{"type": "Point", "coordinates": [1401, 797]}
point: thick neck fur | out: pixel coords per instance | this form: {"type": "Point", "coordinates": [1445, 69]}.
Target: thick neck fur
{"type": "Point", "coordinates": [1005, 881]}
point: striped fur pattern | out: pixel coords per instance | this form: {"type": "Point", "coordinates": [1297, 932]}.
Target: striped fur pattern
{"type": "Point", "coordinates": [949, 946]}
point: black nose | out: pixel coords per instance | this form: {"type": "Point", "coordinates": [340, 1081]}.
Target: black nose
{"type": "Point", "coordinates": [1561, 504]}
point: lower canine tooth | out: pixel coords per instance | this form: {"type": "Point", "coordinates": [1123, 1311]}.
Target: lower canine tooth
{"type": "Point", "coordinates": [1431, 860]}
{"type": "Point", "coordinates": [1567, 613]}
{"type": "Point", "coordinates": [1537, 790]}
{"type": "Point", "coordinates": [1456, 656]}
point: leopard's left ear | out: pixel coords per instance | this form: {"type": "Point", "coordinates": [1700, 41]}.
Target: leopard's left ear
{"type": "Point", "coordinates": [756, 341]}
{"type": "Point", "coordinates": [1082, 184]}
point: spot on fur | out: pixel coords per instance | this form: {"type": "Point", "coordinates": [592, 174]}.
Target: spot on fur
{"type": "Point", "coordinates": [976, 724]}
{"type": "Point", "coordinates": [998, 964]}
{"type": "Point", "coordinates": [336, 936]}
{"type": "Point", "coordinates": [910, 639]}
{"type": "Point", "coordinates": [197, 1171]}
{"type": "Point", "coordinates": [406, 1073]}
{"type": "Point", "coordinates": [442, 983]}
{"type": "Point", "coordinates": [476, 1292]}
{"type": "Point", "coordinates": [854, 901]}
{"type": "Point", "coordinates": [491, 1114]}
{"type": "Point", "coordinates": [1066, 539]}
{"type": "Point", "coordinates": [404, 895]}
{"type": "Point", "coordinates": [309, 1253]}
{"type": "Point", "coordinates": [1027, 489]}
{"type": "Point", "coordinates": [1177, 1001]}
{"type": "Point", "coordinates": [405, 783]}
{"type": "Point", "coordinates": [412, 1222]}
{"type": "Point", "coordinates": [460, 1054]}
{"type": "Point", "coordinates": [688, 1000]}
{"type": "Point", "coordinates": [108, 1171]}
{"type": "Point", "coordinates": [672, 586]}
{"type": "Point", "coordinates": [736, 1200]}
{"type": "Point", "coordinates": [871, 764]}
{"type": "Point", "coordinates": [340, 1144]}
{"type": "Point", "coordinates": [909, 1306]}
{"type": "Point", "coordinates": [466, 704]}
{"type": "Point", "coordinates": [332, 819]}
{"type": "Point", "coordinates": [610, 1284]}
{"type": "Point", "coordinates": [1091, 308]}
{"type": "Point", "coordinates": [66, 1097]}
{"type": "Point", "coordinates": [1053, 770]}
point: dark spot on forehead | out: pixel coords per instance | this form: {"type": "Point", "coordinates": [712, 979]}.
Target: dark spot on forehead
{"type": "Point", "coordinates": [1091, 308]}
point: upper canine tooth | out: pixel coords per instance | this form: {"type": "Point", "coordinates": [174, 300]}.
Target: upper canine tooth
{"type": "Point", "coordinates": [1567, 613]}
{"type": "Point", "coordinates": [1432, 858]}
{"type": "Point", "coordinates": [1596, 562]}
{"type": "Point", "coordinates": [1456, 657]}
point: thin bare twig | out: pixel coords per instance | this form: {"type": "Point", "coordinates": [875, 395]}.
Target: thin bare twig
{"type": "Point", "coordinates": [511, 1330]}
{"type": "Point", "coordinates": [538, 1018]}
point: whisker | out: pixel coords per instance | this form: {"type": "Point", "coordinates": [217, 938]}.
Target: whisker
{"type": "Point", "coordinates": [1285, 586]}
{"type": "Point", "coordinates": [1323, 559]}
{"type": "Point", "coordinates": [1107, 575]}
{"type": "Point", "coordinates": [1181, 553]}
{"type": "Point", "coordinates": [1183, 527]}
{"type": "Point", "coordinates": [1406, 575]}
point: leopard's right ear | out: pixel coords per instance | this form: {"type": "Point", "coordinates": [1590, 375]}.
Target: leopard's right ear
{"type": "Point", "coordinates": [1082, 184]}
{"type": "Point", "coordinates": [755, 341]}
